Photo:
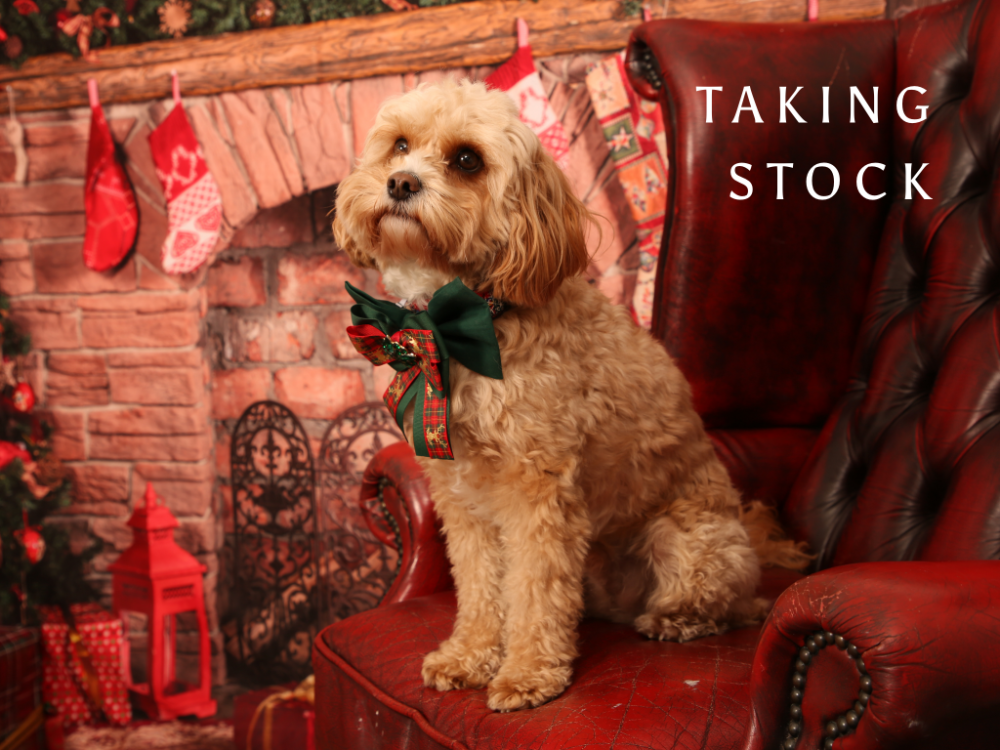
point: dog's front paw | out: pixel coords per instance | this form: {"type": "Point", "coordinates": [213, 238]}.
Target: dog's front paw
{"type": "Point", "coordinates": [510, 691]}
{"type": "Point", "coordinates": [453, 667]}
{"type": "Point", "coordinates": [676, 627]}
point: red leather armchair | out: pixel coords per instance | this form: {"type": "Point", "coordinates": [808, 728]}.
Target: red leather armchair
{"type": "Point", "coordinates": [845, 354]}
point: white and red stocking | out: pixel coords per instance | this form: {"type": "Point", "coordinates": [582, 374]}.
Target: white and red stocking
{"type": "Point", "coordinates": [112, 215]}
{"type": "Point", "coordinates": [519, 78]}
{"type": "Point", "coordinates": [194, 207]}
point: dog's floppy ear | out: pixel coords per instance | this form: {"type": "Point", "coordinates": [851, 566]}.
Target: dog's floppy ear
{"type": "Point", "coordinates": [344, 213]}
{"type": "Point", "coordinates": [547, 235]}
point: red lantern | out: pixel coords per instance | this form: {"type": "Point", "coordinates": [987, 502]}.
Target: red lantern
{"type": "Point", "coordinates": [157, 578]}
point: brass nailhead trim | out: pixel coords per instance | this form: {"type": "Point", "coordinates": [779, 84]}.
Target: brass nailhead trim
{"type": "Point", "coordinates": [844, 723]}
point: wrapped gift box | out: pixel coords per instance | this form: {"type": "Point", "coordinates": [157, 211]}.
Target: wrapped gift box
{"type": "Point", "coordinates": [102, 643]}
{"type": "Point", "coordinates": [290, 726]}
{"type": "Point", "coordinates": [20, 682]}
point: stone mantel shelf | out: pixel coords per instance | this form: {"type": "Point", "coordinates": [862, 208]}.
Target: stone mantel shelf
{"type": "Point", "coordinates": [466, 34]}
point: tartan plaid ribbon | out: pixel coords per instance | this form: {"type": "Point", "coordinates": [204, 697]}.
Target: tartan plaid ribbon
{"type": "Point", "coordinates": [418, 345]}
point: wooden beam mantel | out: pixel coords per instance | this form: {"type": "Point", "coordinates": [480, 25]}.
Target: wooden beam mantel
{"type": "Point", "coordinates": [467, 34]}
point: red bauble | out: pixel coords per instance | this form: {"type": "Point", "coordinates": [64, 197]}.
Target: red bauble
{"type": "Point", "coordinates": [9, 451]}
{"type": "Point", "coordinates": [26, 7]}
{"type": "Point", "coordinates": [262, 14]}
{"type": "Point", "coordinates": [34, 544]}
{"type": "Point", "coordinates": [31, 538]}
{"type": "Point", "coordinates": [13, 47]}
{"type": "Point", "coordinates": [23, 398]}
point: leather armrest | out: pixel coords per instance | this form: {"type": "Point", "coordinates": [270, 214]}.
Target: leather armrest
{"type": "Point", "coordinates": [405, 519]}
{"type": "Point", "coordinates": [925, 635]}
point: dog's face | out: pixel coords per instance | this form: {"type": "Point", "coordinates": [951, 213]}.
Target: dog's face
{"type": "Point", "coordinates": [453, 183]}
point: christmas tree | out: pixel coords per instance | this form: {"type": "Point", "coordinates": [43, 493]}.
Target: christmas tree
{"type": "Point", "coordinates": [38, 566]}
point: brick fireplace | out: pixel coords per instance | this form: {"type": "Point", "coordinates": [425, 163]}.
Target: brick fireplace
{"type": "Point", "coordinates": [144, 374]}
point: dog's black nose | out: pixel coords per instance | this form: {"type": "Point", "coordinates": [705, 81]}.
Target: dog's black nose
{"type": "Point", "coordinates": [402, 185]}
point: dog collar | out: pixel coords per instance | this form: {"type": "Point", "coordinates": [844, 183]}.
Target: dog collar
{"type": "Point", "coordinates": [497, 306]}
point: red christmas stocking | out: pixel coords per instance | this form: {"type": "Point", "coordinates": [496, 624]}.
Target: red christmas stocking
{"type": "Point", "coordinates": [520, 80]}
{"type": "Point", "coordinates": [194, 207]}
{"type": "Point", "coordinates": [112, 215]}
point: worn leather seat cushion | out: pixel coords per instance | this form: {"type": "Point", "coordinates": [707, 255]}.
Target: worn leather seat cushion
{"type": "Point", "coordinates": [627, 691]}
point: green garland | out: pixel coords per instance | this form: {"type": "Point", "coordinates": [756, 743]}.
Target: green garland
{"type": "Point", "coordinates": [32, 32]}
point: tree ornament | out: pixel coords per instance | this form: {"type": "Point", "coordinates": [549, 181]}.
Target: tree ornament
{"type": "Point", "coordinates": [73, 6]}
{"type": "Point", "coordinates": [22, 400]}
{"type": "Point", "coordinates": [13, 47]}
{"type": "Point", "coordinates": [50, 471]}
{"type": "Point", "coordinates": [29, 471]}
{"type": "Point", "coordinates": [31, 538]}
{"type": "Point", "coordinates": [83, 27]}
{"type": "Point", "coordinates": [175, 16]}
{"type": "Point", "coordinates": [25, 7]}
{"type": "Point", "coordinates": [262, 14]}
{"type": "Point", "coordinates": [9, 451]}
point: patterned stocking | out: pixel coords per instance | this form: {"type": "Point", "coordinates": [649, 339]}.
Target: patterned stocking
{"type": "Point", "coordinates": [633, 129]}
{"type": "Point", "coordinates": [194, 206]}
{"type": "Point", "coordinates": [520, 80]}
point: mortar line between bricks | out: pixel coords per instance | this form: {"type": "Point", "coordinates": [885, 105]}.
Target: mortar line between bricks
{"type": "Point", "coordinates": [272, 95]}
{"type": "Point", "coordinates": [32, 296]}
{"type": "Point", "coordinates": [41, 183]}
{"type": "Point", "coordinates": [132, 350]}
{"type": "Point", "coordinates": [43, 240]}
{"type": "Point", "coordinates": [219, 119]}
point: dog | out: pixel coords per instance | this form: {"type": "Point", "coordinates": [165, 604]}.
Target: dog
{"type": "Point", "coordinates": [583, 481]}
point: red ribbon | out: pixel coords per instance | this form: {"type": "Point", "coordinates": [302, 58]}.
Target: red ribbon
{"type": "Point", "coordinates": [415, 348]}
{"type": "Point", "coordinates": [83, 26]}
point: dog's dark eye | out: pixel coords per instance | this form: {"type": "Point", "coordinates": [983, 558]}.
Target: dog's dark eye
{"type": "Point", "coordinates": [468, 160]}
{"type": "Point", "coordinates": [401, 147]}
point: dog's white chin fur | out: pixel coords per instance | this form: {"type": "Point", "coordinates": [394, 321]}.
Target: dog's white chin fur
{"type": "Point", "coordinates": [403, 242]}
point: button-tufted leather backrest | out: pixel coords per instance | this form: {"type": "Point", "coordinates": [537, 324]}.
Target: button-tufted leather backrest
{"type": "Point", "coordinates": [760, 300]}
{"type": "Point", "coordinates": [908, 465]}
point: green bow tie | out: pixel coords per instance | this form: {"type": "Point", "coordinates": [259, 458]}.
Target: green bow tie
{"type": "Point", "coordinates": [418, 344]}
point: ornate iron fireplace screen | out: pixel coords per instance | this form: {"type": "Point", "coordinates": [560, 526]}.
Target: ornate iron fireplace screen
{"type": "Point", "coordinates": [303, 556]}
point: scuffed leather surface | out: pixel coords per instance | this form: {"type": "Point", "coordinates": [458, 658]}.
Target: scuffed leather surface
{"type": "Point", "coordinates": [927, 634]}
{"type": "Point", "coordinates": [906, 467]}
{"type": "Point", "coordinates": [760, 301]}
{"type": "Point", "coordinates": [627, 691]}
{"type": "Point", "coordinates": [423, 563]}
